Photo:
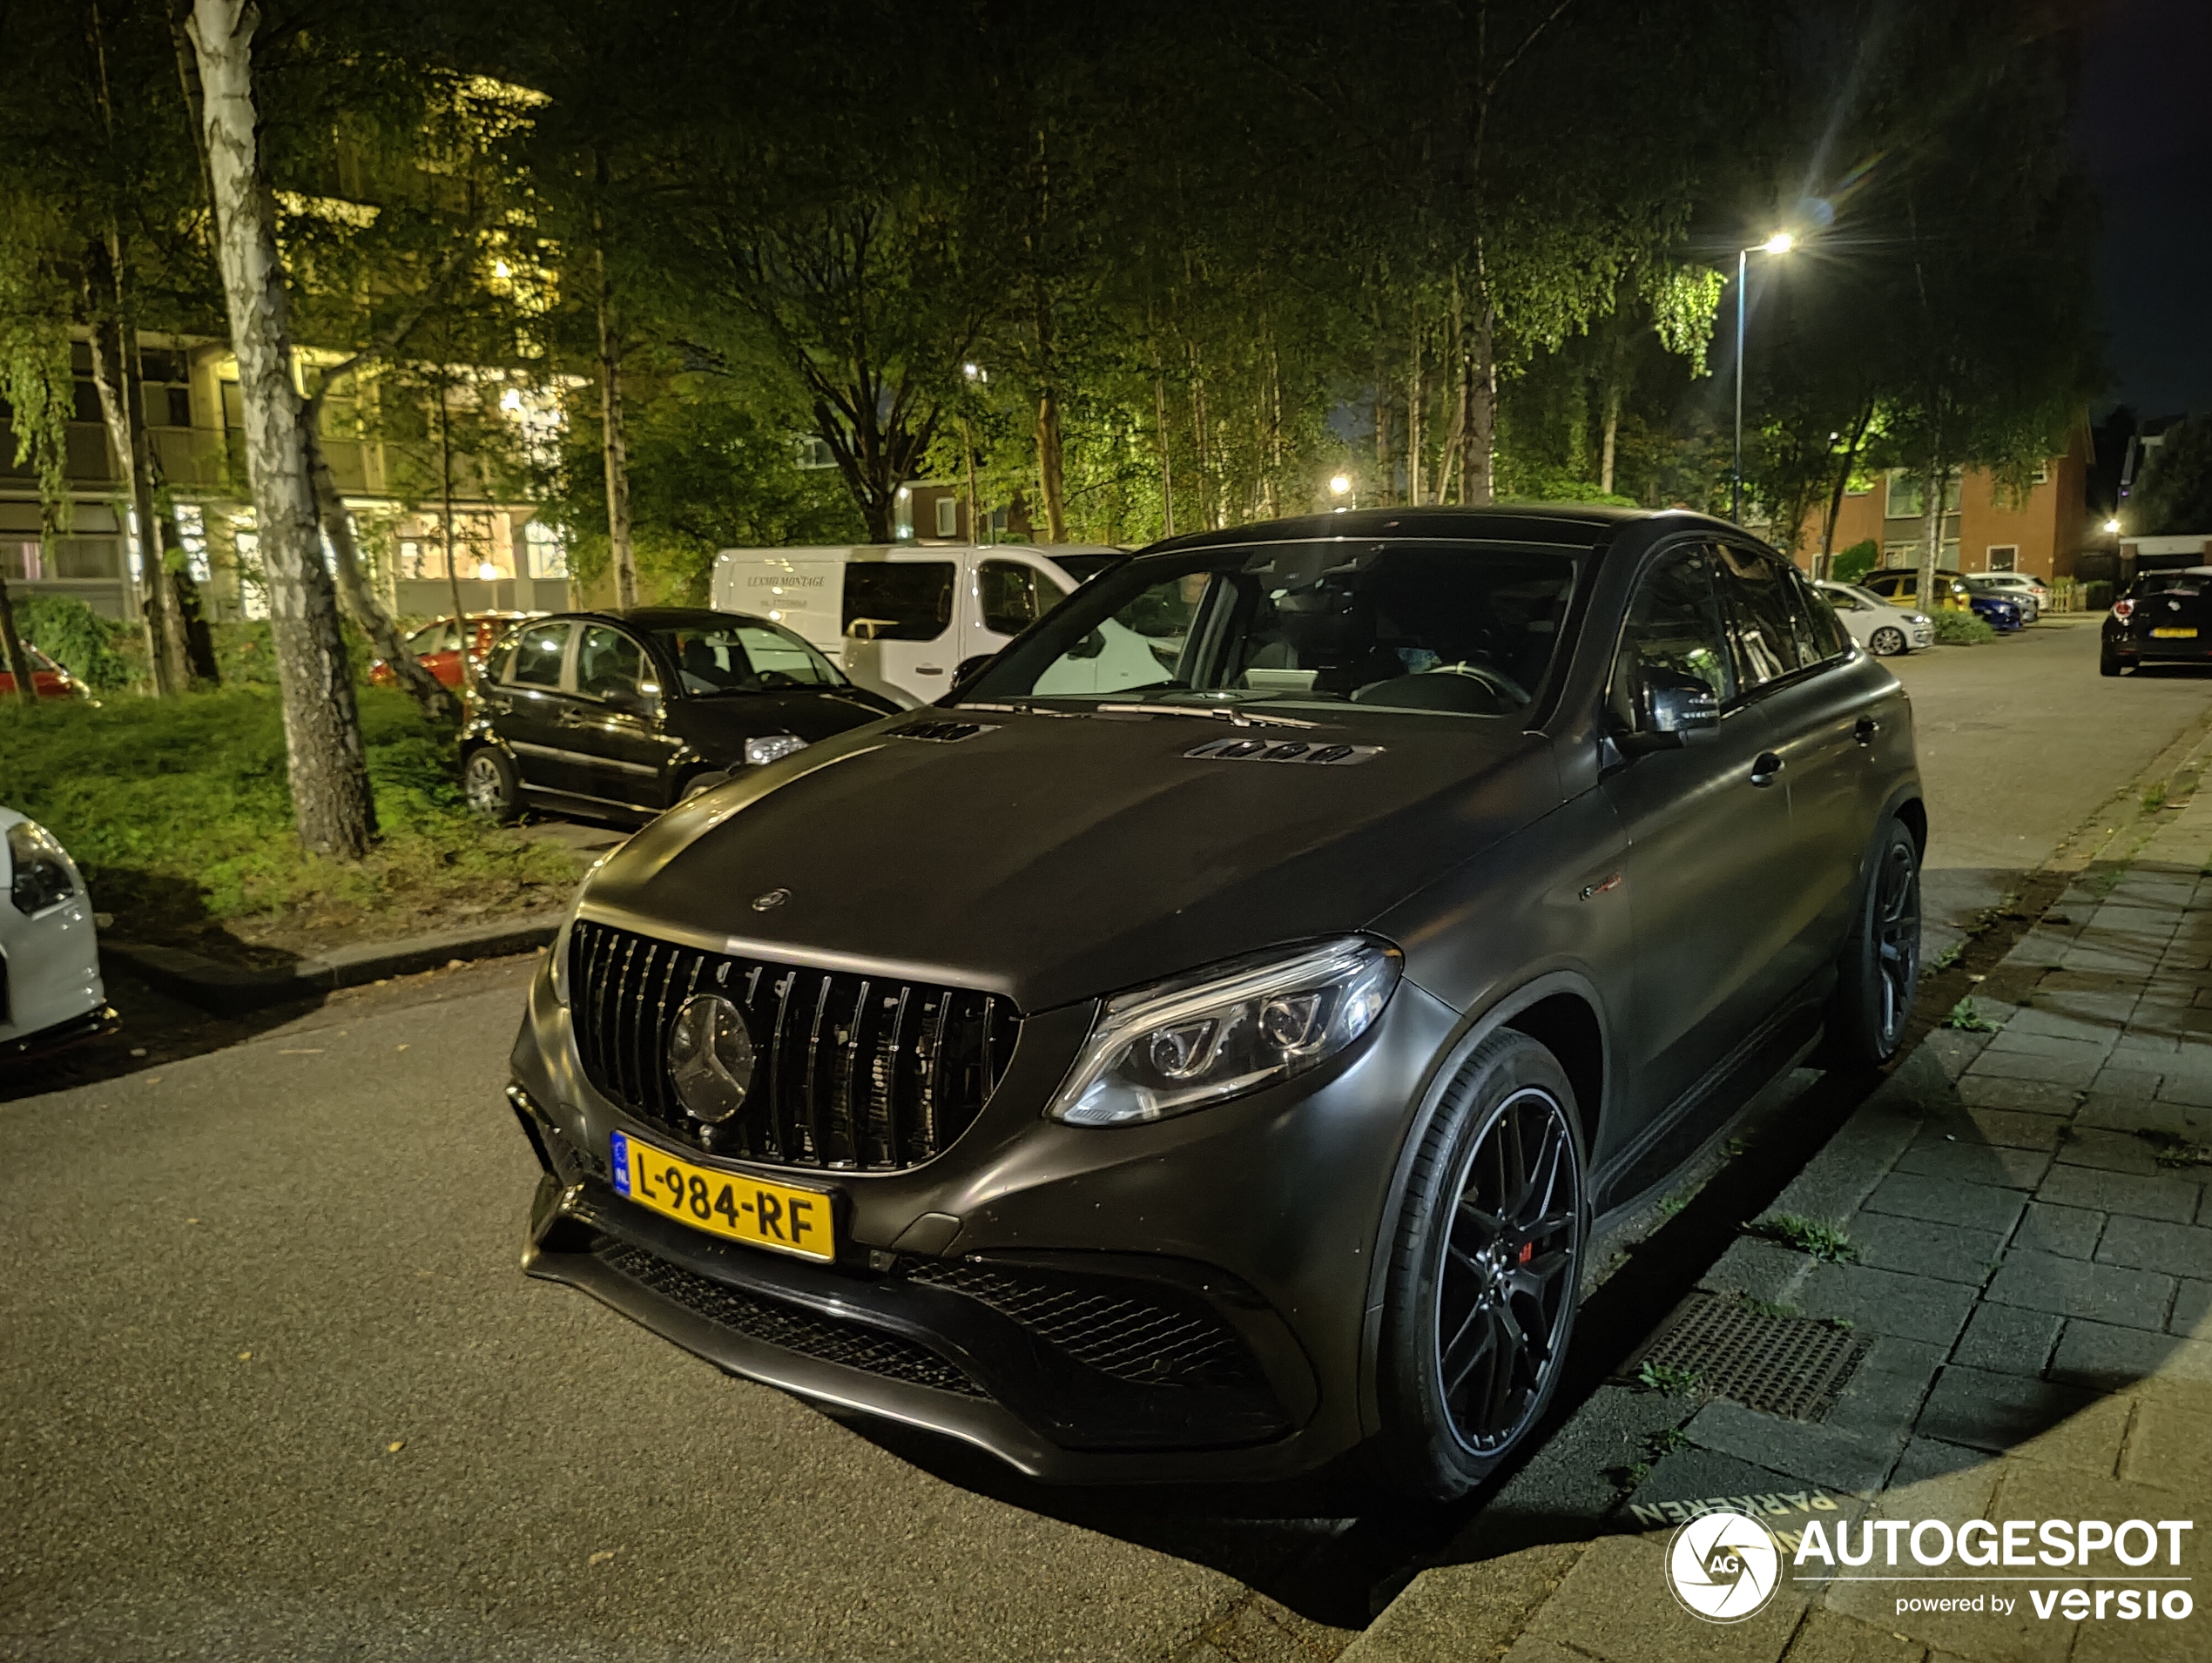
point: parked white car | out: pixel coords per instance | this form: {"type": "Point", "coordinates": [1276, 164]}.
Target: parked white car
{"type": "Point", "coordinates": [50, 963]}
{"type": "Point", "coordinates": [1882, 629]}
{"type": "Point", "coordinates": [906, 620]}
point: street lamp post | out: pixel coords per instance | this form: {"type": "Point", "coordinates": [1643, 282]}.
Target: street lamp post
{"type": "Point", "coordinates": [1780, 243]}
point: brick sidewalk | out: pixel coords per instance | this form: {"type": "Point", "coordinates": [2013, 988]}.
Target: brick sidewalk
{"type": "Point", "coordinates": [2027, 1250]}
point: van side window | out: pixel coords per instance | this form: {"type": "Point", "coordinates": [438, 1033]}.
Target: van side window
{"type": "Point", "coordinates": [1014, 595]}
{"type": "Point", "coordinates": [907, 600]}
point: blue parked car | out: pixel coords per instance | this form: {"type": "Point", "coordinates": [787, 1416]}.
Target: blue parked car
{"type": "Point", "coordinates": [1999, 614]}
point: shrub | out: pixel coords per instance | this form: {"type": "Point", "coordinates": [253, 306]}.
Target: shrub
{"type": "Point", "coordinates": [104, 654]}
{"type": "Point", "coordinates": [1960, 629]}
{"type": "Point", "coordinates": [1849, 565]}
{"type": "Point", "coordinates": [2097, 597]}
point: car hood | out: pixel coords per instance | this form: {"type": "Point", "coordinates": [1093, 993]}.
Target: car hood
{"type": "Point", "coordinates": [718, 728]}
{"type": "Point", "coordinates": [1056, 859]}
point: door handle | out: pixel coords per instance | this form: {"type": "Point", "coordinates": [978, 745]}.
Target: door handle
{"type": "Point", "coordinates": [929, 669]}
{"type": "Point", "coordinates": [1764, 768]}
{"type": "Point", "coordinates": [1865, 729]}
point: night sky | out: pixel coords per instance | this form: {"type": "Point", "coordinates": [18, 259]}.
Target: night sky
{"type": "Point", "coordinates": [2146, 130]}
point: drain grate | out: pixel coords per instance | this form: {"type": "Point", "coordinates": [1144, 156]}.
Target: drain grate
{"type": "Point", "coordinates": [1790, 1366]}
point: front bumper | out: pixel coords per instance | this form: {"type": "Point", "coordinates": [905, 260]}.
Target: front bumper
{"type": "Point", "coordinates": [1182, 1301]}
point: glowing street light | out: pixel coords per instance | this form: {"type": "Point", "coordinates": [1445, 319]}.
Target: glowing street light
{"type": "Point", "coordinates": [1780, 243]}
{"type": "Point", "coordinates": [1340, 485]}
{"type": "Point", "coordinates": [2112, 526]}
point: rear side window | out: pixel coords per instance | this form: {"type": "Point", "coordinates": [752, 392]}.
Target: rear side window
{"type": "Point", "coordinates": [1014, 595]}
{"type": "Point", "coordinates": [538, 655]}
{"type": "Point", "coordinates": [906, 600]}
{"type": "Point", "coordinates": [608, 662]}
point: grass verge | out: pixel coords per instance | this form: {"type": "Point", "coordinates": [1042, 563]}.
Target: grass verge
{"type": "Point", "coordinates": [178, 811]}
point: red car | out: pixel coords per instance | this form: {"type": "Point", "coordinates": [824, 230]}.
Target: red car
{"type": "Point", "coordinates": [435, 644]}
{"type": "Point", "coordinates": [48, 679]}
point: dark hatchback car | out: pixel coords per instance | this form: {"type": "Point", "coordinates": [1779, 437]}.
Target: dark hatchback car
{"type": "Point", "coordinates": [2164, 618]}
{"type": "Point", "coordinates": [1210, 1061]}
{"type": "Point", "coordinates": [621, 714]}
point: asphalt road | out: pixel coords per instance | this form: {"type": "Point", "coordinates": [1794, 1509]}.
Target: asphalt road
{"type": "Point", "coordinates": [271, 1384]}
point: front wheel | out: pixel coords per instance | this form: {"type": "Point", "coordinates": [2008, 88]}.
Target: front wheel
{"type": "Point", "coordinates": [1886, 642]}
{"type": "Point", "coordinates": [1485, 1271]}
{"type": "Point", "coordinates": [1880, 970]}
{"type": "Point", "coordinates": [488, 781]}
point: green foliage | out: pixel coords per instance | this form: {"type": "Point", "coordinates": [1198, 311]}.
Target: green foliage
{"type": "Point", "coordinates": [1854, 563]}
{"type": "Point", "coordinates": [106, 656]}
{"type": "Point", "coordinates": [2174, 497]}
{"type": "Point", "coordinates": [1663, 1377]}
{"type": "Point", "coordinates": [1809, 1235]}
{"type": "Point", "coordinates": [1956, 627]}
{"type": "Point", "coordinates": [178, 811]}
{"type": "Point", "coordinates": [1948, 956]}
{"type": "Point", "coordinates": [2171, 1149]}
{"type": "Point", "coordinates": [1967, 1019]}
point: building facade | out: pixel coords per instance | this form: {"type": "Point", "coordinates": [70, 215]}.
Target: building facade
{"type": "Point", "coordinates": [504, 555]}
{"type": "Point", "coordinates": [2049, 532]}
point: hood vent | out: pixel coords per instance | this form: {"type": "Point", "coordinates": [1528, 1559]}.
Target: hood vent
{"type": "Point", "coordinates": [1298, 751]}
{"type": "Point", "coordinates": [943, 733]}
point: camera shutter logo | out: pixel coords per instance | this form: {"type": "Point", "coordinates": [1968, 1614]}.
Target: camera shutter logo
{"type": "Point", "coordinates": [1723, 1568]}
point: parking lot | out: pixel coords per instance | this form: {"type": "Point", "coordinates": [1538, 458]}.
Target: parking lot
{"type": "Point", "coordinates": [277, 1389]}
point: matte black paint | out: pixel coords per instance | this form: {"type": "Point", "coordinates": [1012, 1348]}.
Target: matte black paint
{"type": "Point", "coordinates": [1686, 908]}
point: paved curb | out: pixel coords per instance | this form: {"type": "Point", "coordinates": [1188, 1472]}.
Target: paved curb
{"type": "Point", "coordinates": [233, 990]}
{"type": "Point", "coordinates": [1905, 1419]}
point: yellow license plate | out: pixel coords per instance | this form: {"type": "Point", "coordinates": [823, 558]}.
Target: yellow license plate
{"type": "Point", "coordinates": [2173, 635]}
{"type": "Point", "coordinates": [735, 1206]}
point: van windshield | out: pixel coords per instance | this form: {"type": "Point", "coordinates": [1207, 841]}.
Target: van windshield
{"type": "Point", "coordinates": [1440, 628]}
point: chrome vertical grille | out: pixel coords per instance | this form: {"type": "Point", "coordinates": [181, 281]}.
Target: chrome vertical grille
{"type": "Point", "coordinates": [857, 1072]}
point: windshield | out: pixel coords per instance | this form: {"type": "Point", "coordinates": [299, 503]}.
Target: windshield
{"type": "Point", "coordinates": [752, 657]}
{"type": "Point", "coordinates": [1444, 629]}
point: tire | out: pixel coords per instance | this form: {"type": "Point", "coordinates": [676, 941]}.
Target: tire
{"type": "Point", "coordinates": [1887, 641]}
{"type": "Point", "coordinates": [1479, 1304]}
{"type": "Point", "coordinates": [1880, 968]}
{"type": "Point", "coordinates": [2109, 661]}
{"type": "Point", "coordinates": [704, 780]}
{"type": "Point", "coordinates": [489, 780]}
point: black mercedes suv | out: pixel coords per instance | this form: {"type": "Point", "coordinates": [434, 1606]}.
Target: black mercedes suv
{"type": "Point", "coordinates": [1203, 1045]}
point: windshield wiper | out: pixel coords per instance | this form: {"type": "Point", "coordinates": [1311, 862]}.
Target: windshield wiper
{"type": "Point", "coordinates": [1214, 712]}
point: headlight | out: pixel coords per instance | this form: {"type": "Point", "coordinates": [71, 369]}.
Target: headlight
{"type": "Point", "coordinates": [43, 876]}
{"type": "Point", "coordinates": [1229, 1029]}
{"type": "Point", "coordinates": [773, 745]}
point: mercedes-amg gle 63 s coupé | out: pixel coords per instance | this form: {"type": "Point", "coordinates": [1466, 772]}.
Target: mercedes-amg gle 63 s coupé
{"type": "Point", "coordinates": [1201, 1047]}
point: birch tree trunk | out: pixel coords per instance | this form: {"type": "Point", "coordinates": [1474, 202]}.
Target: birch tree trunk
{"type": "Point", "coordinates": [1416, 408]}
{"type": "Point", "coordinates": [429, 693]}
{"type": "Point", "coordinates": [1933, 488]}
{"type": "Point", "coordinates": [331, 802]}
{"type": "Point", "coordinates": [615, 454]}
{"type": "Point", "coordinates": [123, 412]}
{"type": "Point", "coordinates": [1479, 438]}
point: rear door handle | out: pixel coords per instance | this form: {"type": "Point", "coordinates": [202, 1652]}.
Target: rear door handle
{"type": "Point", "coordinates": [1764, 768]}
{"type": "Point", "coordinates": [1865, 729]}
{"type": "Point", "coordinates": [929, 669]}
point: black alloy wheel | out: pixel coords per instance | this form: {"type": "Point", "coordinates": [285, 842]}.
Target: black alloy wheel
{"type": "Point", "coordinates": [1487, 1270]}
{"type": "Point", "coordinates": [1886, 642]}
{"type": "Point", "coordinates": [2108, 660]}
{"type": "Point", "coordinates": [1880, 970]}
{"type": "Point", "coordinates": [488, 781]}
{"type": "Point", "coordinates": [706, 780]}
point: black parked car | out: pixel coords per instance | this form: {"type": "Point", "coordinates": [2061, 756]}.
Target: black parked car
{"type": "Point", "coordinates": [621, 714]}
{"type": "Point", "coordinates": [2164, 618]}
{"type": "Point", "coordinates": [1210, 1071]}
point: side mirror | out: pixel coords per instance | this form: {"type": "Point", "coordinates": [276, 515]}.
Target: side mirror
{"type": "Point", "coordinates": [1090, 646]}
{"type": "Point", "coordinates": [1676, 710]}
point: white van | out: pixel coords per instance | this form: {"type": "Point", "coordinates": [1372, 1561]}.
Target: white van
{"type": "Point", "coordinates": [905, 620]}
